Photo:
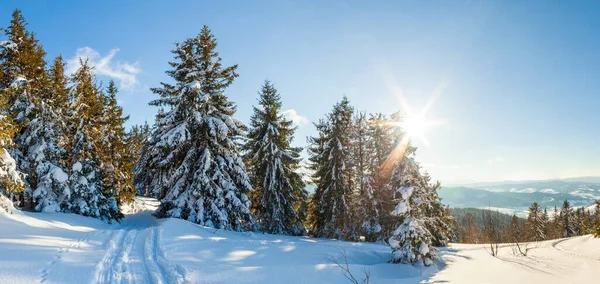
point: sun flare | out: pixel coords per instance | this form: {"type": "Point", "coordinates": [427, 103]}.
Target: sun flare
{"type": "Point", "coordinates": [414, 126]}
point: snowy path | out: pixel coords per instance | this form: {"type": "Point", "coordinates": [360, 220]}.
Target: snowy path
{"type": "Point", "coordinates": [133, 253]}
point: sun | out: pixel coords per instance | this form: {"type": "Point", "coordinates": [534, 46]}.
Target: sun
{"type": "Point", "coordinates": [414, 126]}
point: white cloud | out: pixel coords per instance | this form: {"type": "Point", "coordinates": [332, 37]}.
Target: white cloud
{"type": "Point", "coordinates": [292, 115]}
{"type": "Point", "coordinates": [124, 73]}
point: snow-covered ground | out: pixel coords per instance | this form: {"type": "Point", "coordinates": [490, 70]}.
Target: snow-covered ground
{"type": "Point", "coordinates": [65, 248]}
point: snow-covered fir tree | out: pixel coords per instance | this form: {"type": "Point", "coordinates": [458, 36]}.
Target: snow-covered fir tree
{"type": "Point", "coordinates": [535, 225]}
{"type": "Point", "coordinates": [329, 156]}
{"type": "Point", "coordinates": [567, 221]}
{"type": "Point", "coordinates": [88, 194]}
{"type": "Point", "coordinates": [411, 241]}
{"type": "Point", "coordinates": [192, 156]}
{"type": "Point", "coordinates": [60, 102]}
{"type": "Point", "coordinates": [365, 212]}
{"type": "Point", "coordinates": [596, 218]}
{"type": "Point", "coordinates": [45, 140]}
{"type": "Point", "coordinates": [10, 178]}
{"type": "Point", "coordinates": [279, 195]}
{"type": "Point", "coordinates": [22, 63]}
{"type": "Point", "coordinates": [437, 219]}
{"type": "Point", "coordinates": [137, 137]}
{"type": "Point", "coordinates": [545, 219]}
{"type": "Point", "coordinates": [42, 153]}
{"type": "Point", "coordinates": [23, 81]}
{"type": "Point", "coordinates": [117, 162]}
{"type": "Point", "coordinates": [379, 147]}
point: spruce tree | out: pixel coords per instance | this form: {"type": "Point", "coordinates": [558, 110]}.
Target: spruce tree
{"type": "Point", "coordinates": [10, 178]}
{"type": "Point", "coordinates": [546, 224]}
{"type": "Point", "coordinates": [596, 218]}
{"type": "Point", "coordinates": [567, 220]}
{"type": "Point", "coordinates": [365, 211]}
{"type": "Point", "coordinates": [514, 232]}
{"type": "Point", "coordinates": [40, 137]}
{"type": "Point", "coordinates": [23, 80]}
{"type": "Point", "coordinates": [137, 137]}
{"type": "Point", "coordinates": [46, 141]}
{"type": "Point", "coordinates": [61, 100]}
{"type": "Point", "coordinates": [117, 162]}
{"type": "Point", "coordinates": [332, 173]}
{"type": "Point", "coordinates": [535, 225]}
{"type": "Point", "coordinates": [192, 156]}
{"type": "Point", "coordinates": [22, 63]}
{"type": "Point", "coordinates": [273, 165]}
{"type": "Point", "coordinates": [437, 218]}
{"type": "Point", "coordinates": [379, 148]}
{"type": "Point", "coordinates": [411, 241]}
{"type": "Point", "coordinates": [89, 195]}
{"type": "Point", "coordinates": [556, 225]}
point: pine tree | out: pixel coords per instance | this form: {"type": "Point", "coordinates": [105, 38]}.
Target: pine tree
{"type": "Point", "coordinates": [332, 174]}
{"type": "Point", "coordinates": [61, 100]}
{"type": "Point", "coordinates": [556, 225]}
{"type": "Point", "coordinates": [365, 213]}
{"type": "Point", "coordinates": [88, 194]}
{"type": "Point", "coordinates": [567, 220]}
{"type": "Point", "coordinates": [137, 137]}
{"type": "Point", "coordinates": [545, 220]}
{"type": "Point", "coordinates": [117, 163]}
{"type": "Point", "coordinates": [273, 165]}
{"type": "Point", "coordinates": [535, 224]}
{"type": "Point", "coordinates": [45, 141]}
{"type": "Point", "coordinates": [587, 223]}
{"type": "Point", "coordinates": [10, 178]}
{"type": "Point", "coordinates": [438, 220]}
{"type": "Point", "coordinates": [22, 63]}
{"type": "Point", "coordinates": [578, 221]}
{"type": "Point", "coordinates": [514, 232]}
{"type": "Point", "coordinates": [22, 82]}
{"type": "Point", "coordinates": [379, 147]}
{"type": "Point", "coordinates": [193, 157]}
{"type": "Point", "coordinates": [596, 230]}
{"type": "Point", "coordinates": [40, 143]}
{"type": "Point", "coordinates": [411, 241]}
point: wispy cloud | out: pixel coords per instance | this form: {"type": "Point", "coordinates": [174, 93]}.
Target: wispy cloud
{"type": "Point", "coordinates": [295, 117]}
{"type": "Point", "coordinates": [124, 73]}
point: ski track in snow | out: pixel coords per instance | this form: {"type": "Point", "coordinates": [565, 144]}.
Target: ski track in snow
{"type": "Point", "coordinates": [134, 255]}
{"type": "Point", "coordinates": [557, 246]}
{"type": "Point", "coordinates": [105, 269]}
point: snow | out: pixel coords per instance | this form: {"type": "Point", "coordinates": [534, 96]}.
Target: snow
{"type": "Point", "coordinates": [19, 82]}
{"type": "Point", "coordinates": [8, 167]}
{"type": "Point", "coordinates": [59, 175]}
{"type": "Point", "coordinates": [69, 248]}
{"type": "Point", "coordinates": [77, 167]}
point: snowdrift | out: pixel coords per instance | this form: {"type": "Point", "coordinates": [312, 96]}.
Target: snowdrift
{"type": "Point", "coordinates": [67, 248]}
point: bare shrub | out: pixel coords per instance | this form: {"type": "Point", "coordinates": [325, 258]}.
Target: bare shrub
{"type": "Point", "coordinates": [342, 263]}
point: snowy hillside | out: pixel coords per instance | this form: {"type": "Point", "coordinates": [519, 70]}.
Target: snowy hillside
{"type": "Point", "coordinates": [68, 248]}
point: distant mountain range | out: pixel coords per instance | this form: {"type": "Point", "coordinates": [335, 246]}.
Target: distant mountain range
{"type": "Point", "coordinates": [514, 197]}
{"type": "Point", "coordinates": [474, 183]}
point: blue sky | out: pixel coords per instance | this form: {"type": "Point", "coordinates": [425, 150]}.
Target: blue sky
{"type": "Point", "coordinates": [517, 85]}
